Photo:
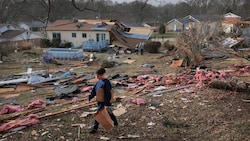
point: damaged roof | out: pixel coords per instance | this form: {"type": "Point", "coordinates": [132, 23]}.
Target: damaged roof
{"type": "Point", "coordinates": [69, 25]}
{"type": "Point", "coordinates": [11, 34]}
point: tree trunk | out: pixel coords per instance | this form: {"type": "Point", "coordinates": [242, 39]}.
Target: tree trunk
{"type": "Point", "coordinates": [238, 86]}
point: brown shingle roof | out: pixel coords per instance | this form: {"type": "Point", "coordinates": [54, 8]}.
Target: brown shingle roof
{"type": "Point", "coordinates": [11, 34]}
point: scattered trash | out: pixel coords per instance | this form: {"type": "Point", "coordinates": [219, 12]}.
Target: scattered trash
{"type": "Point", "coordinates": [151, 124]}
{"type": "Point", "coordinates": [185, 100]}
{"type": "Point", "coordinates": [129, 136]}
{"type": "Point", "coordinates": [176, 63]}
{"type": "Point", "coordinates": [44, 133]}
{"type": "Point", "coordinates": [85, 114]}
{"type": "Point", "coordinates": [32, 119]}
{"type": "Point", "coordinates": [139, 101]}
{"type": "Point", "coordinates": [104, 138]}
{"type": "Point", "coordinates": [34, 132]}
{"type": "Point", "coordinates": [152, 108]}
{"type": "Point", "coordinates": [120, 111]}
{"type": "Point", "coordinates": [75, 100]}
{"type": "Point", "coordinates": [147, 66]}
{"type": "Point", "coordinates": [155, 104]}
{"type": "Point", "coordinates": [160, 88]}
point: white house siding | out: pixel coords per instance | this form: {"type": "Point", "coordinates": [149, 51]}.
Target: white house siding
{"type": "Point", "coordinates": [78, 40]}
{"type": "Point", "coordinates": [175, 26]}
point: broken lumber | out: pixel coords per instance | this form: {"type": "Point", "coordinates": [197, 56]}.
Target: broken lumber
{"type": "Point", "coordinates": [170, 90]}
{"type": "Point", "coordinates": [16, 114]}
{"type": "Point", "coordinates": [238, 86]}
{"type": "Point", "coordinates": [22, 88]}
{"type": "Point", "coordinates": [6, 90]}
{"type": "Point", "coordinates": [67, 110]}
{"type": "Point", "coordinates": [9, 95]}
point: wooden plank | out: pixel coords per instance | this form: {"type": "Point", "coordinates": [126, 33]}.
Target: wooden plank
{"type": "Point", "coordinates": [9, 95]}
{"type": "Point", "coordinates": [78, 81]}
{"type": "Point", "coordinates": [67, 110]}
{"type": "Point", "coordinates": [6, 90]}
{"type": "Point", "coordinates": [176, 63]}
{"type": "Point", "coordinates": [22, 88]}
{"type": "Point", "coordinates": [129, 61]}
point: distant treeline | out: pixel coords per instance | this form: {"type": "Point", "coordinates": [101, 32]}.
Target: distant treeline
{"type": "Point", "coordinates": [138, 11]}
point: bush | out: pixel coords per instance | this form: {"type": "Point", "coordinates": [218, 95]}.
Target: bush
{"type": "Point", "coordinates": [168, 46]}
{"type": "Point", "coordinates": [152, 47]}
{"type": "Point", "coordinates": [56, 42]}
{"type": "Point", "coordinates": [107, 64]}
{"type": "Point", "coordinates": [24, 46]}
{"type": "Point", "coordinates": [66, 45]}
{"type": "Point", "coordinates": [45, 43]}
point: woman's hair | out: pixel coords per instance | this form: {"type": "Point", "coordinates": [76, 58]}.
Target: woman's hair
{"type": "Point", "coordinates": [100, 71]}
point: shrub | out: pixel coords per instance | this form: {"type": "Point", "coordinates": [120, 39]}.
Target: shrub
{"type": "Point", "coordinates": [56, 42]}
{"type": "Point", "coordinates": [168, 46]}
{"type": "Point", "coordinates": [152, 47]}
{"type": "Point", "coordinates": [107, 64]}
{"type": "Point", "coordinates": [45, 43]}
{"type": "Point", "coordinates": [162, 29]}
{"type": "Point", "coordinates": [66, 45]}
{"type": "Point", "coordinates": [24, 46]}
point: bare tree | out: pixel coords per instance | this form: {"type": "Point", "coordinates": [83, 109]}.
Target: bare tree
{"type": "Point", "coordinates": [190, 44]}
{"type": "Point", "coordinates": [245, 7]}
{"type": "Point", "coordinates": [230, 5]}
{"type": "Point", "coordinates": [138, 8]}
{"type": "Point", "coordinates": [182, 9]}
{"type": "Point", "coordinates": [11, 10]}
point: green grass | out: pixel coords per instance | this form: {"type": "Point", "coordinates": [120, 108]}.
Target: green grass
{"type": "Point", "coordinates": [166, 35]}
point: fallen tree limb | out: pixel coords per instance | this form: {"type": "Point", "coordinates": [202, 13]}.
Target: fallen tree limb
{"type": "Point", "coordinates": [238, 86]}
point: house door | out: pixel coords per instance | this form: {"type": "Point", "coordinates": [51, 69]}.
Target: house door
{"type": "Point", "coordinates": [175, 28]}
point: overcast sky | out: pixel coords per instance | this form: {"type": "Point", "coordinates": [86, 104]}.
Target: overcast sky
{"type": "Point", "coordinates": [153, 2]}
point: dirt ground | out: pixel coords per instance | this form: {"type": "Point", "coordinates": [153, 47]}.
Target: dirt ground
{"type": "Point", "coordinates": [204, 115]}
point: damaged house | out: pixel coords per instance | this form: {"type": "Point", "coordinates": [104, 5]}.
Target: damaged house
{"type": "Point", "coordinates": [230, 22]}
{"type": "Point", "coordinates": [96, 35]}
{"type": "Point", "coordinates": [19, 37]}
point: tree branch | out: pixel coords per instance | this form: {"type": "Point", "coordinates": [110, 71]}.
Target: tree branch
{"type": "Point", "coordinates": [85, 8]}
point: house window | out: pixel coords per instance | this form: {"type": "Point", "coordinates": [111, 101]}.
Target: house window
{"type": "Point", "coordinates": [100, 37]}
{"type": "Point", "coordinates": [73, 35]}
{"type": "Point", "coordinates": [84, 35]}
{"type": "Point", "coordinates": [56, 35]}
{"type": "Point", "coordinates": [103, 37]}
